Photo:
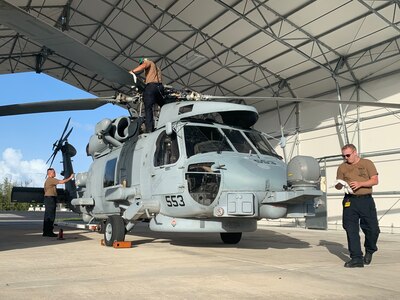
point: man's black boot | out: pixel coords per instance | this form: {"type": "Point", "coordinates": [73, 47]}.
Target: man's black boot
{"type": "Point", "coordinates": [50, 234]}
{"type": "Point", "coordinates": [354, 263]}
{"type": "Point", "coordinates": [367, 258]}
{"type": "Point", "coordinates": [48, 229]}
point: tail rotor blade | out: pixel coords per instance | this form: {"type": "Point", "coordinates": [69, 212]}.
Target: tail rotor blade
{"type": "Point", "coordinates": [58, 144]}
{"type": "Point", "coordinates": [65, 128]}
{"type": "Point", "coordinates": [52, 160]}
{"type": "Point", "coordinates": [51, 156]}
{"type": "Point", "coordinates": [67, 135]}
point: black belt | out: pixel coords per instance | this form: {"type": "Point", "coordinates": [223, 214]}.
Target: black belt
{"type": "Point", "coordinates": [357, 196]}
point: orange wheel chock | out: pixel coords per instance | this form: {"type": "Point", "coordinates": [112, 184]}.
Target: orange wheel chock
{"type": "Point", "coordinates": [122, 244]}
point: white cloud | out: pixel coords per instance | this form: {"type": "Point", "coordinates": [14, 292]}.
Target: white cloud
{"type": "Point", "coordinates": [22, 172]}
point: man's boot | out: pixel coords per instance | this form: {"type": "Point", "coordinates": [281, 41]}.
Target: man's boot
{"type": "Point", "coordinates": [48, 229]}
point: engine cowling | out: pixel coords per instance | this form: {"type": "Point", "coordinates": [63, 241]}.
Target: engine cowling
{"type": "Point", "coordinates": [96, 145]}
{"type": "Point", "coordinates": [112, 133]}
{"type": "Point", "coordinates": [81, 179]}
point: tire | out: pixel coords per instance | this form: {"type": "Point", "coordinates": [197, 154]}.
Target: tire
{"type": "Point", "coordinates": [231, 237]}
{"type": "Point", "coordinates": [114, 230]}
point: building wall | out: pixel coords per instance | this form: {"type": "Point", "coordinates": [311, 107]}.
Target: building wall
{"type": "Point", "coordinates": [373, 130]}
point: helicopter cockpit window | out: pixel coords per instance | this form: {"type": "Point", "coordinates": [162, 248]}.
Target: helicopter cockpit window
{"type": "Point", "coordinates": [203, 139]}
{"type": "Point", "coordinates": [109, 174]}
{"type": "Point", "coordinates": [167, 151]}
{"type": "Point", "coordinates": [238, 140]}
{"type": "Point", "coordinates": [261, 143]}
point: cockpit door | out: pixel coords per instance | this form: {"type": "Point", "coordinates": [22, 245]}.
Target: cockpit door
{"type": "Point", "coordinates": [167, 174]}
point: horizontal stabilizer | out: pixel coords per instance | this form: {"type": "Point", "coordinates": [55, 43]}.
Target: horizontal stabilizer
{"type": "Point", "coordinates": [33, 195]}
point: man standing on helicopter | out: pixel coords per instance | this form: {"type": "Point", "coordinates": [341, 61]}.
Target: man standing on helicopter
{"type": "Point", "coordinates": [154, 90]}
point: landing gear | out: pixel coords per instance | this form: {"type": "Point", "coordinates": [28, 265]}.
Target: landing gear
{"type": "Point", "coordinates": [102, 226]}
{"type": "Point", "coordinates": [114, 230]}
{"type": "Point", "coordinates": [231, 237]}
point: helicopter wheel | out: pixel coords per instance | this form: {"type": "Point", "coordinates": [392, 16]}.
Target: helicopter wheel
{"type": "Point", "coordinates": [231, 237]}
{"type": "Point", "coordinates": [114, 230]}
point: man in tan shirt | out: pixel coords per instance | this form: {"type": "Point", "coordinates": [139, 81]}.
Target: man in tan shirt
{"type": "Point", "coordinates": [358, 205]}
{"type": "Point", "coordinates": [153, 92]}
{"type": "Point", "coordinates": [50, 201]}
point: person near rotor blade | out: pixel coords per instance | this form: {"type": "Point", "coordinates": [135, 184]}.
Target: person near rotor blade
{"type": "Point", "coordinates": [153, 92]}
{"type": "Point", "coordinates": [50, 200]}
{"type": "Point", "coordinates": [359, 175]}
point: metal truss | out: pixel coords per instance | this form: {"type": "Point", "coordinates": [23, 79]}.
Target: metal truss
{"type": "Point", "coordinates": [253, 77]}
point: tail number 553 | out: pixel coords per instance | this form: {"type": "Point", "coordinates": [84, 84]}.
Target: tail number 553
{"type": "Point", "coordinates": [174, 200]}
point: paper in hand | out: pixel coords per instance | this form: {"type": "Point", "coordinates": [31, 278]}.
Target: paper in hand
{"type": "Point", "coordinates": [347, 188]}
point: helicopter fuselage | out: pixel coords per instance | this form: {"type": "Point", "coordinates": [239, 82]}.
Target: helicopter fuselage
{"type": "Point", "coordinates": [194, 175]}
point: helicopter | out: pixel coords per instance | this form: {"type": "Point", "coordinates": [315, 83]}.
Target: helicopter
{"type": "Point", "coordinates": [204, 168]}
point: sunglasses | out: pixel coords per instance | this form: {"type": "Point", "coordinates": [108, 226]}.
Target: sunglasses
{"type": "Point", "coordinates": [347, 155]}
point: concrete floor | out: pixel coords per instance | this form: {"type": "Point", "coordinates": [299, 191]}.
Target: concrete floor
{"type": "Point", "coordinates": [275, 263]}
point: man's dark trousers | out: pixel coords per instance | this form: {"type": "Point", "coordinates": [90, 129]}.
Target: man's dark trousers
{"type": "Point", "coordinates": [360, 211]}
{"type": "Point", "coordinates": [49, 214]}
{"type": "Point", "coordinates": [153, 93]}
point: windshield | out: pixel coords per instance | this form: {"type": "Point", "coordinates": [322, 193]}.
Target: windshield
{"type": "Point", "coordinates": [261, 143]}
{"type": "Point", "coordinates": [202, 139]}
{"type": "Point", "coordinates": [238, 141]}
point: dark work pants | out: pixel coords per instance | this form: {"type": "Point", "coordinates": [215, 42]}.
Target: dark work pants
{"type": "Point", "coordinates": [153, 93]}
{"type": "Point", "coordinates": [49, 214]}
{"type": "Point", "coordinates": [360, 212]}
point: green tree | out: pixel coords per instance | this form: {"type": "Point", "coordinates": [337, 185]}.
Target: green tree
{"type": "Point", "coordinates": [5, 194]}
{"type": "Point", "coordinates": [5, 197]}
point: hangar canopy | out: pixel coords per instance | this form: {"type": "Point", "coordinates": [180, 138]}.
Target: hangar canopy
{"type": "Point", "coordinates": [305, 48]}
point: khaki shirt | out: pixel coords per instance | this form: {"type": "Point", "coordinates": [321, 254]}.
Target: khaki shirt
{"type": "Point", "coordinates": [361, 171]}
{"type": "Point", "coordinates": [152, 73]}
{"type": "Point", "coordinates": [50, 187]}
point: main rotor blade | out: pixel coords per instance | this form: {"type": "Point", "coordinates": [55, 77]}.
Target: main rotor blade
{"type": "Point", "coordinates": [52, 106]}
{"type": "Point", "coordinates": [319, 100]}
{"type": "Point", "coordinates": [63, 44]}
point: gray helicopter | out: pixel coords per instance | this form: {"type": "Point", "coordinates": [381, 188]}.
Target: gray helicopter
{"type": "Point", "coordinates": [204, 169]}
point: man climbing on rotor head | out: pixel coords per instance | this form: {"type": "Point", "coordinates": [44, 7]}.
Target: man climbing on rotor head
{"type": "Point", "coordinates": [153, 92]}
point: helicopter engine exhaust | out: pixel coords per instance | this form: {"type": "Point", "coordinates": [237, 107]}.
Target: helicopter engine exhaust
{"type": "Point", "coordinates": [111, 133]}
{"type": "Point", "coordinates": [119, 129]}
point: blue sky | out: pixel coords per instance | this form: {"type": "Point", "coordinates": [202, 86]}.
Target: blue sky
{"type": "Point", "coordinates": [26, 140]}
